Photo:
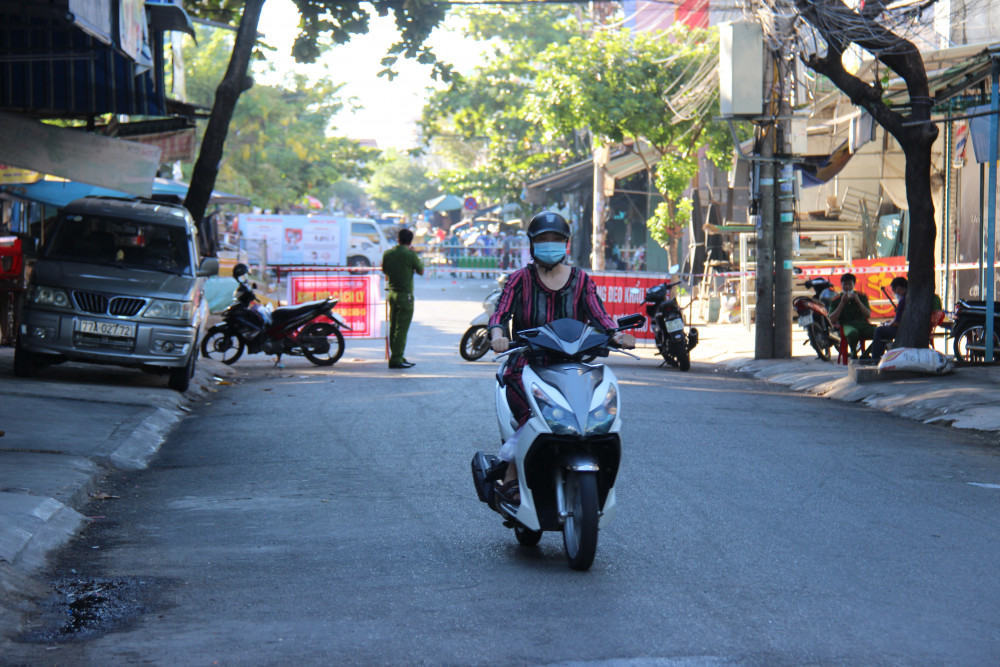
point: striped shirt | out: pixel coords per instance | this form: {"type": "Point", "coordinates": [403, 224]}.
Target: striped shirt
{"type": "Point", "coordinates": [529, 303]}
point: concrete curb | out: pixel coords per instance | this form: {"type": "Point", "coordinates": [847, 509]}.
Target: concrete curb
{"type": "Point", "coordinates": [926, 398]}
{"type": "Point", "coordinates": [37, 504]}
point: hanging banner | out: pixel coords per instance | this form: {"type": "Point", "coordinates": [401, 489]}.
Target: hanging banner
{"type": "Point", "coordinates": [89, 158]}
{"type": "Point", "coordinates": [359, 302]}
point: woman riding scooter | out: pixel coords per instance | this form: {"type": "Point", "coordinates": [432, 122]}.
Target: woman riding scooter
{"type": "Point", "coordinates": [543, 291]}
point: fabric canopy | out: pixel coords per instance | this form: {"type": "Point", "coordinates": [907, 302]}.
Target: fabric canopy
{"type": "Point", "coordinates": [61, 193]}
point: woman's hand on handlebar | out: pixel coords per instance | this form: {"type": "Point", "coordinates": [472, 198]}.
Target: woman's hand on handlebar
{"type": "Point", "coordinates": [500, 344]}
{"type": "Point", "coordinates": [625, 340]}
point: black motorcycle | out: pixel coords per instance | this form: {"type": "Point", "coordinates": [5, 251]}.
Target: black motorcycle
{"type": "Point", "coordinates": [308, 329]}
{"type": "Point", "coordinates": [667, 323]}
{"type": "Point", "coordinates": [969, 331]}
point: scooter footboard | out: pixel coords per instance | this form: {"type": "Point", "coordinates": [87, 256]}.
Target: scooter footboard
{"type": "Point", "coordinates": [483, 467]}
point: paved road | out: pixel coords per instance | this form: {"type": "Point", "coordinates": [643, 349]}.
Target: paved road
{"type": "Point", "coordinates": [314, 517]}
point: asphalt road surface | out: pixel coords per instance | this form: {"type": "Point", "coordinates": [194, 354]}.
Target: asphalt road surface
{"type": "Point", "coordinates": [318, 516]}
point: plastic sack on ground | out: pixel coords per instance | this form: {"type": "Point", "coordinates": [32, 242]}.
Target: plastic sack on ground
{"type": "Point", "coordinates": [916, 360]}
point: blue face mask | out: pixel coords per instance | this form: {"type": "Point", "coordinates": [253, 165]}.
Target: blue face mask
{"type": "Point", "coordinates": [550, 253]}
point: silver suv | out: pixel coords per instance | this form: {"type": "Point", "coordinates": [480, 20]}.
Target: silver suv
{"type": "Point", "coordinates": [119, 281]}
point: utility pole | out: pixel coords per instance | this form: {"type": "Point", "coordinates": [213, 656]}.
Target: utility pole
{"type": "Point", "coordinates": [602, 154]}
{"type": "Point", "coordinates": [784, 220]}
{"type": "Point", "coordinates": [764, 310]}
{"type": "Point", "coordinates": [776, 197]}
{"type": "Point", "coordinates": [765, 191]}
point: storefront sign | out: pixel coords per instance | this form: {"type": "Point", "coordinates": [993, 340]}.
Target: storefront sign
{"type": "Point", "coordinates": [176, 146]}
{"type": "Point", "coordinates": [358, 296]}
{"type": "Point", "coordinates": [314, 240]}
{"type": "Point", "coordinates": [16, 176]}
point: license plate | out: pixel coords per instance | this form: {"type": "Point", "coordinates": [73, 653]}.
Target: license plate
{"type": "Point", "coordinates": [111, 329]}
{"type": "Point", "coordinates": [805, 320]}
{"type": "Point", "coordinates": [676, 324]}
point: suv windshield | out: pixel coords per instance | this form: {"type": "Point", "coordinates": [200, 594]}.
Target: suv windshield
{"type": "Point", "coordinates": [117, 242]}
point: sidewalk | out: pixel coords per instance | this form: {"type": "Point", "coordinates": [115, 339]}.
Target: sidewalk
{"type": "Point", "coordinates": [59, 434]}
{"type": "Point", "coordinates": [969, 397]}
{"type": "Point", "coordinates": [65, 429]}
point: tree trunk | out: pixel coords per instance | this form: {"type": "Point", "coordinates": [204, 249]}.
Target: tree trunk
{"type": "Point", "coordinates": [233, 84]}
{"type": "Point", "coordinates": [914, 328]}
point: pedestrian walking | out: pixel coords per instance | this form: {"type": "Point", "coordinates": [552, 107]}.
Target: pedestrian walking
{"type": "Point", "coordinates": [399, 264]}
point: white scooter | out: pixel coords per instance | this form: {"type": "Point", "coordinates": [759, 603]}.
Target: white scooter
{"type": "Point", "coordinates": [568, 452]}
{"type": "Point", "coordinates": [476, 341]}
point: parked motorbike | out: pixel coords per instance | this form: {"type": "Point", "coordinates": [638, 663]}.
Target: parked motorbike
{"type": "Point", "coordinates": [568, 452]}
{"type": "Point", "coordinates": [667, 323]}
{"type": "Point", "coordinates": [476, 341]}
{"type": "Point", "coordinates": [969, 331]}
{"type": "Point", "coordinates": [814, 316]}
{"type": "Point", "coordinates": [308, 329]}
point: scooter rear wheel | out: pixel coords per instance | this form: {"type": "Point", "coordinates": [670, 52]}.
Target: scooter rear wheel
{"type": "Point", "coordinates": [322, 343]}
{"type": "Point", "coordinates": [819, 341]}
{"type": "Point", "coordinates": [475, 343]}
{"type": "Point", "coordinates": [580, 529]}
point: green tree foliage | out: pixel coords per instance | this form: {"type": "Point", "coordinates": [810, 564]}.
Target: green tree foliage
{"type": "Point", "coordinates": [279, 150]}
{"type": "Point", "coordinates": [415, 19]}
{"type": "Point", "coordinates": [659, 88]}
{"type": "Point", "coordinates": [400, 183]}
{"type": "Point", "coordinates": [480, 123]}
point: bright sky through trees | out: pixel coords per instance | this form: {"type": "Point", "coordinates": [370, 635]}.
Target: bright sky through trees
{"type": "Point", "coordinates": [391, 108]}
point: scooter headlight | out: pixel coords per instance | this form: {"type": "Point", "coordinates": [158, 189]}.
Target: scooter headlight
{"type": "Point", "coordinates": [601, 418]}
{"type": "Point", "coordinates": [559, 419]}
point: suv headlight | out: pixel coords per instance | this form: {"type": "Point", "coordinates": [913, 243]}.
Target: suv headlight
{"type": "Point", "coordinates": [49, 296]}
{"type": "Point", "coordinates": [164, 309]}
{"type": "Point", "coordinates": [601, 418]}
{"type": "Point", "coordinates": [559, 419]}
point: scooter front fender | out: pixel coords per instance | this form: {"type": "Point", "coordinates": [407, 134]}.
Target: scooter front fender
{"type": "Point", "coordinates": [481, 320]}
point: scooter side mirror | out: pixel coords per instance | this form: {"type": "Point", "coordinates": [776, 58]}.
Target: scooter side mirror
{"type": "Point", "coordinates": [631, 321]}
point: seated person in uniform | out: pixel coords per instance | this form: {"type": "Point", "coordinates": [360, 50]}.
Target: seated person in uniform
{"type": "Point", "coordinates": [850, 309]}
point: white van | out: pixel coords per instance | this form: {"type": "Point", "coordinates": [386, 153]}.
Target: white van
{"type": "Point", "coordinates": [368, 243]}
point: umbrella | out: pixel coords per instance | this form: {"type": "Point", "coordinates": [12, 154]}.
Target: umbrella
{"type": "Point", "coordinates": [444, 203]}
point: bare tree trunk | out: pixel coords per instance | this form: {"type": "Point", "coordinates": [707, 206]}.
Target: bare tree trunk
{"type": "Point", "coordinates": [233, 84]}
{"type": "Point", "coordinates": [915, 135]}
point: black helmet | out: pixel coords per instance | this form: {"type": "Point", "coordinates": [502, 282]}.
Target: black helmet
{"type": "Point", "coordinates": [240, 270]}
{"type": "Point", "coordinates": [548, 221]}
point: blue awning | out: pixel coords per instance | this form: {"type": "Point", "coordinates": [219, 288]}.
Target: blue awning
{"type": "Point", "coordinates": [60, 193]}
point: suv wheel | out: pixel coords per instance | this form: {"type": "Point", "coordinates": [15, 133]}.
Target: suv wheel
{"type": "Point", "coordinates": [180, 378]}
{"type": "Point", "coordinates": [24, 361]}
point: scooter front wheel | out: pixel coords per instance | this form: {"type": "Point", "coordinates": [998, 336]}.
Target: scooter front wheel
{"type": "Point", "coordinates": [221, 344]}
{"type": "Point", "coordinates": [475, 343]}
{"type": "Point", "coordinates": [580, 529]}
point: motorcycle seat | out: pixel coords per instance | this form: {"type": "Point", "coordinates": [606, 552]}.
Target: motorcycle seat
{"type": "Point", "coordinates": [286, 313]}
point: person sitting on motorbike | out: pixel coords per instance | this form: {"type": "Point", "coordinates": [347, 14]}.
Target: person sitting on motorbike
{"type": "Point", "coordinates": [851, 311]}
{"type": "Point", "coordinates": [543, 291]}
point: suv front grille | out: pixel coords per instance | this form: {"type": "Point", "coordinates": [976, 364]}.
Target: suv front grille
{"type": "Point", "coordinates": [101, 304]}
